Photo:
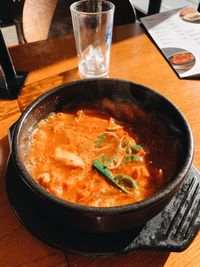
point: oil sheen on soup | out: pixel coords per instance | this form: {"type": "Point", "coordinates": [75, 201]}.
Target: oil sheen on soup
{"type": "Point", "coordinates": [109, 156]}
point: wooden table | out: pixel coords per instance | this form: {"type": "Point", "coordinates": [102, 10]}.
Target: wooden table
{"type": "Point", "coordinates": [50, 63]}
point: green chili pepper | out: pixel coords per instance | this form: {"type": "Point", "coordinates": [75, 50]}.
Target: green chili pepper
{"type": "Point", "coordinates": [123, 182]}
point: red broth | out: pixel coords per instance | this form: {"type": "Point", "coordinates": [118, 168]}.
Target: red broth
{"type": "Point", "coordinates": [182, 58]}
{"type": "Point", "coordinates": [65, 145]}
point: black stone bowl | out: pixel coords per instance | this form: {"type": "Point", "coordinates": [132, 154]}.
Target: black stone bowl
{"type": "Point", "coordinates": [100, 219]}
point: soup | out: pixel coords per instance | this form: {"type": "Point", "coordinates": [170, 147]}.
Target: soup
{"type": "Point", "coordinates": [182, 58]}
{"type": "Point", "coordinates": [106, 155]}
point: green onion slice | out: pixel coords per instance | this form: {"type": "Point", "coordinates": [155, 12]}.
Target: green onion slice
{"type": "Point", "coordinates": [137, 147]}
{"type": "Point", "coordinates": [117, 150]}
{"type": "Point", "coordinates": [123, 182]}
{"type": "Point", "coordinates": [132, 158]}
{"type": "Point", "coordinates": [101, 139]}
{"type": "Point", "coordinates": [126, 181]}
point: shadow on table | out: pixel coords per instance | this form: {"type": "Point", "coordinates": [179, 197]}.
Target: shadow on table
{"type": "Point", "coordinates": [36, 55]}
{"type": "Point", "coordinates": [138, 258]}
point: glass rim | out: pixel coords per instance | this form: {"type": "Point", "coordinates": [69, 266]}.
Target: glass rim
{"type": "Point", "coordinates": [72, 8]}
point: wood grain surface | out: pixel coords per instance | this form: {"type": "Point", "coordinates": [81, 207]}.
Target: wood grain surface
{"type": "Point", "coordinates": [53, 62]}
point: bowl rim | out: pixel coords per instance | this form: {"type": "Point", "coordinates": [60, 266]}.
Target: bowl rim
{"type": "Point", "coordinates": [150, 201]}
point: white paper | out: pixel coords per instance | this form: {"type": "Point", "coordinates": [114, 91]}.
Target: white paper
{"type": "Point", "coordinates": [175, 36]}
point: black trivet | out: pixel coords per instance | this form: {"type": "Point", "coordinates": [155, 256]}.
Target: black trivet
{"type": "Point", "coordinates": [173, 229]}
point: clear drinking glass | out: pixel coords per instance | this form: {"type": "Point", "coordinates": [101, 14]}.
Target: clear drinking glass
{"type": "Point", "coordinates": [93, 25]}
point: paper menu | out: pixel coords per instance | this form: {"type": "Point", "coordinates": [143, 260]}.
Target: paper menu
{"type": "Point", "coordinates": [178, 38]}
